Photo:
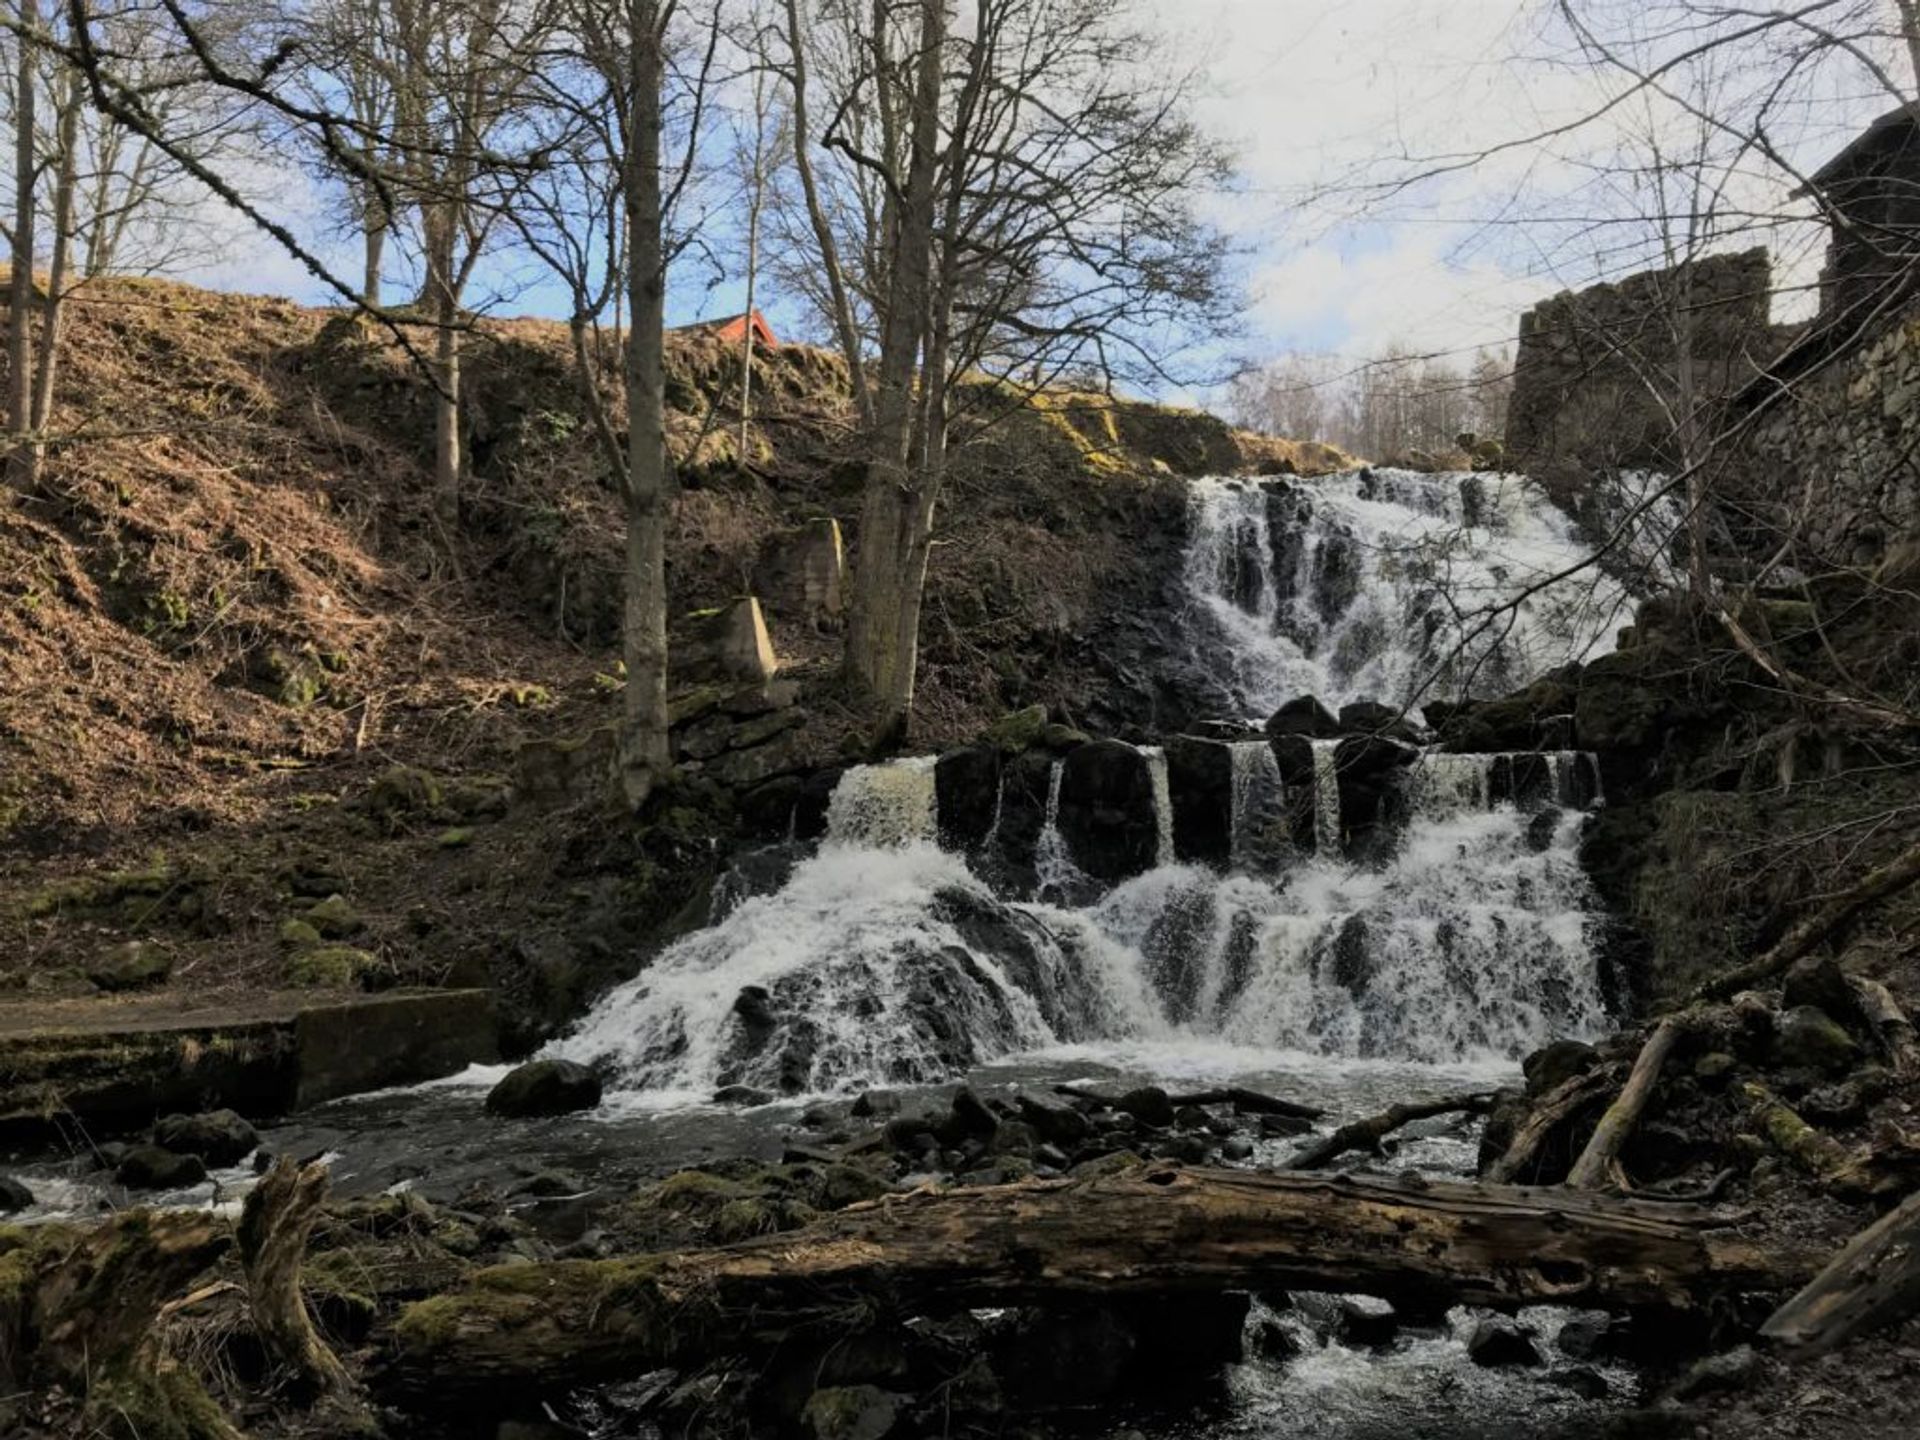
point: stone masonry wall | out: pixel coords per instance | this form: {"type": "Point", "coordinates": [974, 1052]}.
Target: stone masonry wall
{"type": "Point", "coordinates": [1593, 366]}
{"type": "Point", "coordinates": [1852, 429]}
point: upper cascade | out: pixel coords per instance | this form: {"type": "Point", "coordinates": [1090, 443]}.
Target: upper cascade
{"type": "Point", "coordinates": [1381, 584]}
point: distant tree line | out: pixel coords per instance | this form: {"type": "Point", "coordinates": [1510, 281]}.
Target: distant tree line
{"type": "Point", "coordinates": [1401, 405]}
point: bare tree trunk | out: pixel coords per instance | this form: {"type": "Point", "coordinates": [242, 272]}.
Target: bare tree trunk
{"type": "Point", "coordinates": [1595, 1166]}
{"type": "Point", "coordinates": [746, 343]}
{"type": "Point", "coordinates": [444, 301]}
{"type": "Point", "coordinates": [1910, 32]}
{"type": "Point", "coordinates": [20, 295]}
{"type": "Point", "coordinates": [874, 654]}
{"type": "Point", "coordinates": [843, 325]}
{"type": "Point", "coordinates": [374, 249]}
{"type": "Point", "coordinates": [47, 366]}
{"type": "Point", "coordinates": [644, 755]}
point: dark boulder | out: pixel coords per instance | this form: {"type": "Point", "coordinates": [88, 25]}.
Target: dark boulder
{"type": "Point", "coordinates": [1498, 1343]}
{"type": "Point", "coordinates": [219, 1137]}
{"type": "Point", "coordinates": [1807, 1038]}
{"type": "Point", "coordinates": [544, 1087]}
{"type": "Point", "coordinates": [743, 1096]}
{"type": "Point", "coordinates": [14, 1197]}
{"type": "Point", "coordinates": [1370, 717]}
{"type": "Point", "coordinates": [1107, 815]}
{"type": "Point", "coordinates": [1336, 574]}
{"type": "Point", "coordinates": [1060, 1125]}
{"type": "Point", "coordinates": [1582, 1380]}
{"type": "Point", "coordinates": [1373, 806]}
{"type": "Point", "coordinates": [1306, 716]}
{"type": "Point", "coordinates": [875, 1104]}
{"type": "Point", "coordinates": [1272, 1341]}
{"type": "Point", "coordinates": [968, 1117]}
{"type": "Point", "coordinates": [966, 787]}
{"type": "Point", "coordinates": [1817, 981]}
{"type": "Point", "coordinates": [149, 1167]}
{"type": "Point", "coordinates": [1149, 1105]}
{"type": "Point", "coordinates": [1200, 781]}
{"type": "Point", "coordinates": [1365, 1320]}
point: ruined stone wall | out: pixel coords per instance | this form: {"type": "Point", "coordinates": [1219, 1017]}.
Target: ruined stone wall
{"type": "Point", "coordinates": [1596, 373]}
{"type": "Point", "coordinates": [1836, 457]}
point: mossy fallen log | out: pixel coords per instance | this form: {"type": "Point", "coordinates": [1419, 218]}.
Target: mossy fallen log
{"type": "Point", "coordinates": [1147, 1232]}
{"type": "Point", "coordinates": [1874, 1282]}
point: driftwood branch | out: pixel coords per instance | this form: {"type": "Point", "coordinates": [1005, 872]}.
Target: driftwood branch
{"type": "Point", "coordinates": [1890, 1025]}
{"type": "Point", "coordinates": [1597, 1162]}
{"type": "Point", "coordinates": [1881, 884]}
{"type": "Point", "coordinates": [1873, 1282]}
{"type": "Point", "coordinates": [1247, 1102]}
{"type": "Point", "coordinates": [1146, 1232]}
{"type": "Point", "coordinates": [1367, 1134]}
{"type": "Point", "coordinates": [274, 1223]}
{"type": "Point", "coordinates": [1554, 1109]}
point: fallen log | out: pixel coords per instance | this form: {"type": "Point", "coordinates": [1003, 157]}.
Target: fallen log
{"type": "Point", "coordinates": [1558, 1106]}
{"type": "Point", "coordinates": [1366, 1134]}
{"type": "Point", "coordinates": [1597, 1161]}
{"type": "Point", "coordinates": [1890, 1025]}
{"type": "Point", "coordinates": [1872, 1283]}
{"type": "Point", "coordinates": [1889, 880]}
{"type": "Point", "coordinates": [1814, 1151]}
{"type": "Point", "coordinates": [1142, 1233]}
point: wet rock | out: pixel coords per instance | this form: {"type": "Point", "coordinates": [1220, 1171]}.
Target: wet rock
{"type": "Point", "coordinates": [1553, 1065]}
{"type": "Point", "coordinates": [1368, 770]}
{"type": "Point", "coordinates": [1816, 980]}
{"type": "Point", "coordinates": [1806, 1037]}
{"type": "Point", "coordinates": [743, 1096]}
{"type": "Point", "coordinates": [1582, 1380]}
{"type": "Point", "coordinates": [966, 785]}
{"type": "Point", "coordinates": [545, 1087]}
{"type": "Point", "coordinates": [850, 1412]}
{"type": "Point", "coordinates": [1107, 811]}
{"type": "Point", "coordinates": [134, 965]}
{"type": "Point", "coordinates": [875, 1104]}
{"type": "Point", "coordinates": [1370, 717]}
{"type": "Point", "coordinates": [220, 1137]}
{"type": "Point", "coordinates": [1052, 1157]}
{"type": "Point", "coordinates": [1060, 1125]}
{"type": "Point", "coordinates": [1014, 1137]}
{"type": "Point", "coordinates": [1498, 1343]}
{"type": "Point", "coordinates": [14, 1197]}
{"type": "Point", "coordinates": [1148, 1104]}
{"type": "Point", "coordinates": [1282, 1127]}
{"type": "Point", "coordinates": [1729, 1371]}
{"type": "Point", "coordinates": [1304, 716]}
{"type": "Point", "coordinates": [1714, 1068]}
{"type": "Point", "coordinates": [1236, 1147]}
{"type": "Point", "coordinates": [1270, 1340]}
{"type": "Point", "coordinates": [1365, 1320]}
{"type": "Point", "coordinates": [1200, 782]}
{"type": "Point", "coordinates": [149, 1167]}
{"type": "Point", "coordinates": [967, 1117]}
{"type": "Point", "coordinates": [910, 1133]}
{"type": "Point", "coordinates": [1066, 1357]}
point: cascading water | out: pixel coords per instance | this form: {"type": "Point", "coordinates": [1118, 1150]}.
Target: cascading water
{"type": "Point", "coordinates": [1463, 936]}
{"type": "Point", "coordinates": [1369, 585]}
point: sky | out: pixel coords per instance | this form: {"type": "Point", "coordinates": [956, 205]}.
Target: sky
{"type": "Point", "coordinates": [1317, 98]}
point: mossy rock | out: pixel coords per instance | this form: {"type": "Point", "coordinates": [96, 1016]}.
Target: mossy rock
{"type": "Point", "coordinates": [403, 793]}
{"type": "Point", "coordinates": [298, 934]}
{"type": "Point", "coordinates": [457, 838]}
{"type": "Point", "coordinates": [1021, 730]}
{"type": "Point", "coordinates": [135, 965]}
{"type": "Point", "coordinates": [335, 918]}
{"type": "Point", "coordinates": [330, 967]}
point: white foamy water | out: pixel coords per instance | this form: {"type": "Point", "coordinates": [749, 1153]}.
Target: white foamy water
{"type": "Point", "coordinates": [1371, 584]}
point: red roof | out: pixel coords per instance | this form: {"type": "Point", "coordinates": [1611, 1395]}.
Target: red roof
{"type": "Point", "coordinates": [734, 327]}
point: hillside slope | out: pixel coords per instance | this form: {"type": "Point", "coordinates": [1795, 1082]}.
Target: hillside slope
{"type": "Point", "coordinates": [232, 611]}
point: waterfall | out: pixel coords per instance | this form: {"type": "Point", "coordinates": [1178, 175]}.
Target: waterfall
{"type": "Point", "coordinates": [1368, 584]}
{"type": "Point", "coordinates": [1326, 799]}
{"type": "Point", "coordinates": [1464, 934]}
{"type": "Point", "coordinates": [1162, 803]}
{"type": "Point", "coordinates": [1257, 814]}
{"type": "Point", "coordinates": [890, 804]}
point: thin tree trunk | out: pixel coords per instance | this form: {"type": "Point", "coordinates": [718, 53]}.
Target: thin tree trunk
{"type": "Point", "coordinates": [1595, 1165]}
{"type": "Point", "coordinates": [844, 329]}
{"type": "Point", "coordinates": [374, 249]}
{"type": "Point", "coordinates": [644, 755]}
{"type": "Point", "coordinates": [47, 366]}
{"type": "Point", "coordinates": [20, 295]}
{"type": "Point", "coordinates": [746, 343]}
{"type": "Point", "coordinates": [444, 302]}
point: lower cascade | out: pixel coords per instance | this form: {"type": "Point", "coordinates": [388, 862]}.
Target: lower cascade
{"type": "Point", "coordinates": [885, 959]}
